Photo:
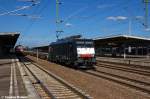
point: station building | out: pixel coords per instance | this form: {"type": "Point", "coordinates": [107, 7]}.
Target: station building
{"type": "Point", "coordinates": [122, 46]}
{"type": "Point", "coordinates": [7, 42]}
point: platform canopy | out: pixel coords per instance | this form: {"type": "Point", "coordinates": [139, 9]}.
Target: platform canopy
{"type": "Point", "coordinates": [121, 40]}
{"type": "Point", "coordinates": [43, 48]}
{"type": "Point", "coordinates": [8, 41]}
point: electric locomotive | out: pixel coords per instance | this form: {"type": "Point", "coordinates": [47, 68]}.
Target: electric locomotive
{"type": "Point", "coordinates": [74, 51]}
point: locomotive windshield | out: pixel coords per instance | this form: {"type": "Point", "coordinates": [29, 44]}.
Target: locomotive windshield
{"type": "Point", "coordinates": [85, 43]}
{"type": "Point", "coordinates": [85, 48]}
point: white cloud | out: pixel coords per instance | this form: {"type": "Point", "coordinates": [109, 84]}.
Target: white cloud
{"type": "Point", "coordinates": [68, 24]}
{"type": "Point", "coordinates": [147, 29]}
{"type": "Point", "coordinates": [111, 18]}
{"type": "Point", "coordinates": [139, 17]}
{"type": "Point", "coordinates": [121, 18]}
{"type": "Point", "coordinates": [116, 18]}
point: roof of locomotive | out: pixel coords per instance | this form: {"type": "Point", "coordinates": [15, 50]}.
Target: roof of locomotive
{"type": "Point", "coordinates": [62, 41]}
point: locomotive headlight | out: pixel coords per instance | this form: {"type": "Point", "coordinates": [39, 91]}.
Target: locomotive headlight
{"type": "Point", "coordinates": [85, 52]}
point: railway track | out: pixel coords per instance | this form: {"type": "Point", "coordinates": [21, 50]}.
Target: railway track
{"type": "Point", "coordinates": [124, 68]}
{"type": "Point", "coordinates": [51, 86]}
{"type": "Point", "coordinates": [37, 85]}
{"type": "Point", "coordinates": [124, 64]}
{"type": "Point", "coordinates": [137, 85]}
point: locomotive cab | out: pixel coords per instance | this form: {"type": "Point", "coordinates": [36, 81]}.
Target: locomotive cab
{"type": "Point", "coordinates": [85, 53]}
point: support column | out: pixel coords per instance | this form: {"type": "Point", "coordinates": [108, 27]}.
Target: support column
{"type": "Point", "coordinates": [111, 51]}
{"type": "Point", "coordinates": [142, 51]}
{"type": "Point", "coordinates": [1, 51]}
{"type": "Point", "coordinates": [119, 51]}
{"type": "Point", "coordinates": [136, 51]}
{"type": "Point", "coordinates": [37, 54]}
{"type": "Point", "coordinates": [124, 55]}
{"type": "Point", "coordinates": [147, 48]}
{"type": "Point", "coordinates": [124, 51]}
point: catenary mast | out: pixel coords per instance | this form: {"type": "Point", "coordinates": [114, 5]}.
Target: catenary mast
{"type": "Point", "coordinates": [58, 20]}
{"type": "Point", "coordinates": [146, 12]}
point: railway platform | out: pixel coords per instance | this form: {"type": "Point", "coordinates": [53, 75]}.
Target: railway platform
{"type": "Point", "coordinates": [22, 79]}
{"type": "Point", "coordinates": [13, 83]}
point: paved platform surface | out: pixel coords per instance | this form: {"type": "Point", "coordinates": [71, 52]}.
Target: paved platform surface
{"type": "Point", "coordinates": [11, 83]}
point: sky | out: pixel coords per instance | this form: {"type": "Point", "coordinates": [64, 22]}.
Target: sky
{"type": "Point", "coordinates": [90, 18]}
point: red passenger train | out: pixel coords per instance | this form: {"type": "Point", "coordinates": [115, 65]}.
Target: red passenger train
{"type": "Point", "coordinates": [19, 49]}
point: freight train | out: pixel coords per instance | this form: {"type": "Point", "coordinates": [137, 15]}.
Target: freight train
{"type": "Point", "coordinates": [74, 51]}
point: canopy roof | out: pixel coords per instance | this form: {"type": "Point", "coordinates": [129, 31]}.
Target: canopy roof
{"type": "Point", "coordinates": [8, 40]}
{"type": "Point", "coordinates": [122, 39]}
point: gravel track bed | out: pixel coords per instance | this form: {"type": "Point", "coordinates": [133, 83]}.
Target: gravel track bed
{"type": "Point", "coordinates": [132, 59]}
{"type": "Point", "coordinates": [126, 69]}
{"type": "Point", "coordinates": [131, 67]}
{"type": "Point", "coordinates": [125, 74]}
{"type": "Point", "coordinates": [138, 67]}
{"type": "Point", "coordinates": [98, 88]}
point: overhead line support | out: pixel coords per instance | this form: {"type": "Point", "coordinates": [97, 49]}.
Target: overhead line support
{"type": "Point", "coordinates": [146, 12]}
{"type": "Point", "coordinates": [58, 20]}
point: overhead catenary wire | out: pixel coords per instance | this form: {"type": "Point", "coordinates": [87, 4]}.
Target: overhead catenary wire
{"type": "Point", "coordinates": [27, 28]}
{"type": "Point", "coordinates": [38, 10]}
{"type": "Point", "coordinates": [91, 17]}
{"type": "Point", "coordinates": [14, 12]}
{"type": "Point", "coordinates": [82, 9]}
{"type": "Point", "coordinates": [21, 8]}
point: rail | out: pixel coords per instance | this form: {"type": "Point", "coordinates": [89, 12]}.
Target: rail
{"type": "Point", "coordinates": [73, 90]}
{"type": "Point", "coordinates": [137, 85]}
{"type": "Point", "coordinates": [125, 61]}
